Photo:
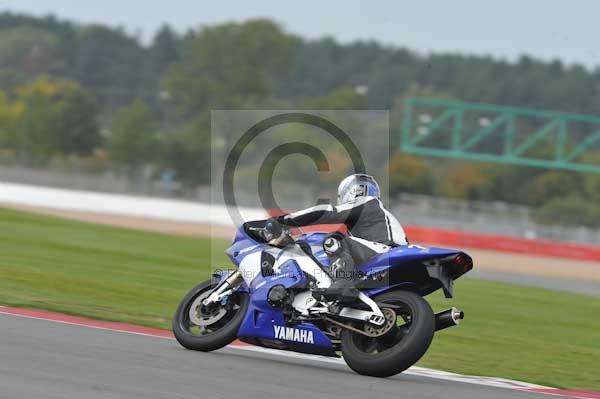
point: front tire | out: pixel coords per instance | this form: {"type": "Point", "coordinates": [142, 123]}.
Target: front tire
{"type": "Point", "coordinates": [400, 348]}
{"type": "Point", "coordinates": [210, 337]}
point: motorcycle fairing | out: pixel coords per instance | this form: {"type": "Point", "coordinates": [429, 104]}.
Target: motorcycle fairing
{"type": "Point", "coordinates": [408, 266]}
{"type": "Point", "coordinates": [411, 267]}
{"type": "Point", "coordinates": [244, 245]}
{"type": "Point", "coordinates": [264, 325]}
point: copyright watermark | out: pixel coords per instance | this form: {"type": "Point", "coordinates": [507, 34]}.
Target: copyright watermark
{"type": "Point", "coordinates": [273, 162]}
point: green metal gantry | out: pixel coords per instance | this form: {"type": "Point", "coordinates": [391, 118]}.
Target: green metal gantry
{"type": "Point", "coordinates": [509, 135]}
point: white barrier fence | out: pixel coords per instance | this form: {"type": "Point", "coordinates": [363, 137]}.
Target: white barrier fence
{"type": "Point", "coordinates": [125, 205]}
{"type": "Point", "coordinates": [412, 209]}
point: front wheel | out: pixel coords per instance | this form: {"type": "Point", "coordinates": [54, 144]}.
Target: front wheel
{"type": "Point", "coordinates": [208, 328]}
{"type": "Point", "coordinates": [412, 327]}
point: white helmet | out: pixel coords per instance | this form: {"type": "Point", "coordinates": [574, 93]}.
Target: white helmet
{"type": "Point", "coordinates": [356, 186]}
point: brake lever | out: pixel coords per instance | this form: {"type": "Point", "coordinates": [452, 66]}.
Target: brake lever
{"type": "Point", "coordinates": [262, 232]}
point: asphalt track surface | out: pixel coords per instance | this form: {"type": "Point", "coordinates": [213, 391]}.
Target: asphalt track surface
{"type": "Point", "coordinates": [42, 359]}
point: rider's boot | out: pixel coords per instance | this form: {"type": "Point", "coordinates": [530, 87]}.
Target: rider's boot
{"type": "Point", "coordinates": [343, 288]}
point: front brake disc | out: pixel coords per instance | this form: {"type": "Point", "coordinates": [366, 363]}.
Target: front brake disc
{"type": "Point", "coordinates": [203, 316]}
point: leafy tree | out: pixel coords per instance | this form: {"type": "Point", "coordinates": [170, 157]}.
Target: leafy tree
{"type": "Point", "coordinates": [340, 98]}
{"type": "Point", "coordinates": [465, 181]}
{"type": "Point", "coordinates": [591, 181]}
{"type": "Point", "coordinates": [187, 152]}
{"type": "Point", "coordinates": [552, 184]}
{"type": "Point", "coordinates": [30, 50]}
{"type": "Point", "coordinates": [227, 65]}
{"type": "Point", "coordinates": [78, 128]}
{"type": "Point", "coordinates": [133, 140]}
{"type": "Point", "coordinates": [36, 141]}
{"type": "Point", "coordinates": [10, 117]}
{"type": "Point", "coordinates": [109, 63]}
{"type": "Point", "coordinates": [163, 52]}
{"type": "Point", "coordinates": [410, 174]}
{"type": "Point", "coordinates": [32, 45]}
{"type": "Point", "coordinates": [58, 118]}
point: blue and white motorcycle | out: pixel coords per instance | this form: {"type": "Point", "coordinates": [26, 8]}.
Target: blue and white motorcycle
{"type": "Point", "coordinates": [268, 301]}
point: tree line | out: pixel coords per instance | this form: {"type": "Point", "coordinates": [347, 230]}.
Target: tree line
{"type": "Point", "coordinates": [98, 95]}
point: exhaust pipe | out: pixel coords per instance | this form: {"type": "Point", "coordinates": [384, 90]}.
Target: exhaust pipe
{"type": "Point", "coordinates": [448, 318]}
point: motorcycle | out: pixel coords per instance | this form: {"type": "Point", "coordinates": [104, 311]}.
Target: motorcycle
{"type": "Point", "coordinates": [269, 300]}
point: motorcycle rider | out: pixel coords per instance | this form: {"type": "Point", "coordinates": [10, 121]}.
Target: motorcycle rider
{"type": "Point", "coordinates": [372, 230]}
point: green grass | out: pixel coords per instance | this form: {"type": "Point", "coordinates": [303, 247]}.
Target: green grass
{"type": "Point", "coordinates": [102, 272]}
{"type": "Point", "coordinates": [541, 336]}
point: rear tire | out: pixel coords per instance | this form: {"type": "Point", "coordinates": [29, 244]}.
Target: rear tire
{"type": "Point", "coordinates": [225, 331]}
{"type": "Point", "coordinates": [412, 345]}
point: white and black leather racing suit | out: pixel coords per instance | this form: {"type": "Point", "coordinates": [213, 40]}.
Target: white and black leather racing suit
{"type": "Point", "coordinates": [372, 230]}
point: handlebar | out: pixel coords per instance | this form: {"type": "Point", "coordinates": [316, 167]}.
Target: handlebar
{"type": "Point", "coordinates": [264, 233]}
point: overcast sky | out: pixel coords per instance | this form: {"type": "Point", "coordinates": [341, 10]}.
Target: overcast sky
{"type": "Point", "coordinates": [568, 30]}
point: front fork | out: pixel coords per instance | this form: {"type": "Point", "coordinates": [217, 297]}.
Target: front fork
{"type": "Point", "coordinates": [224, 289]}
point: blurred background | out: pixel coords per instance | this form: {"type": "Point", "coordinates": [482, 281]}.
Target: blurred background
{"type": "Point", "coordinates": [487, 139]}
{"type": "Point", "coordinates": [117, 98]}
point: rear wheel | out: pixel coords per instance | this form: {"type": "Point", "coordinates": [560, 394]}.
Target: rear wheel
{"type": "Point", "coordinates": [207, 328]}
{"type": "Point", "coordinates": [402, 345]}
